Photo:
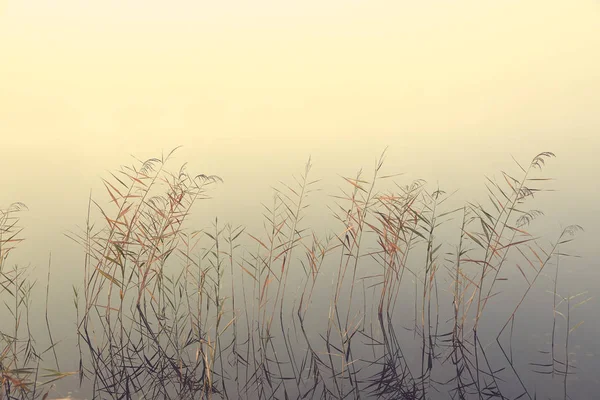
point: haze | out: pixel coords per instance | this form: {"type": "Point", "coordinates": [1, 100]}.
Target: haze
{"type": "Point", "coordinates": [251, 89]}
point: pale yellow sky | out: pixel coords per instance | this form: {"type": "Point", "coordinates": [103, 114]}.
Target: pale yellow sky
{"type": "Point", "coordinates": [272, 68]}
{"type": "Point", "coordinates": [252, 88]}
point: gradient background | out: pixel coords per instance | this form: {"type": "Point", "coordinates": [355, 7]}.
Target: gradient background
{"type": "Point", "coordinates": [252, 88]}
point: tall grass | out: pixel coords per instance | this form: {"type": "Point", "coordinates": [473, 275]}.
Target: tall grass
{"type": "Point", "coordinates": [20, 374]}
{"type": "Point", "coordinates": [166, 311]}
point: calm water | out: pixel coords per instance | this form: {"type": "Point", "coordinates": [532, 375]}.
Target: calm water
{"type": "Point", "coordinates": [520, 356]}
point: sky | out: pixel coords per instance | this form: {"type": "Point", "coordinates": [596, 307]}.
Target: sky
{"type": "Point", "coordinates": [251, 89]}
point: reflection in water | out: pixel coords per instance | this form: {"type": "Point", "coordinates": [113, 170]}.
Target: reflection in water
{"type": "Point", "coordinates": [170, 313]}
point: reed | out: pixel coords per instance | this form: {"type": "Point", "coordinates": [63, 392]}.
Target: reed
{"type": "Point", "coordinates": [21, 376]}
{"type": "Point", "coordinates": [169, 312]}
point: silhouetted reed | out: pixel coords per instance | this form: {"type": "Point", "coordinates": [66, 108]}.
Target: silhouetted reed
{"type": "Point", "coordinates": [166, 312]}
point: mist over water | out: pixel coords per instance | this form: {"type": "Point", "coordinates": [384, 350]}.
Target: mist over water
{"type": "Point", "coordinates": [456, 92]}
